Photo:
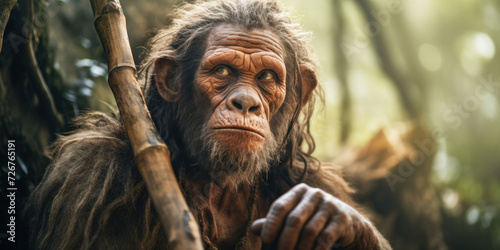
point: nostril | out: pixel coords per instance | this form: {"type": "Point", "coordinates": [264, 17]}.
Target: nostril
{"type": "Point", "coordinates": [237, 105]}
{"type": "Point", "coordinates": [252, 109]}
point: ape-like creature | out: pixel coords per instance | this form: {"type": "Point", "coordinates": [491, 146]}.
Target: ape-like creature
{"type": "Point", "coordinates": [230, 86]}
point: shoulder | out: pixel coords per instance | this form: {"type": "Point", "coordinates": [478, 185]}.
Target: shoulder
{"type": "Point", "coordinates": [91, 132]}
{"type": "Point", "coordinates": [98, 143]}
{"type": "Point", "coordinates": [91, 176]}
{"type": "Point", "coordinates": [97, 140]}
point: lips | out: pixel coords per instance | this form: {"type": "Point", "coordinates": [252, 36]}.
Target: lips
{"type": "Point", "coordinates": [242, 128]}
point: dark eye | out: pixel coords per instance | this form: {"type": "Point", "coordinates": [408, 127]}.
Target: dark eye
{"type": "Point", "coordinates": [266, 75]}
{"type": "Point", "coordinates": [222, 71]}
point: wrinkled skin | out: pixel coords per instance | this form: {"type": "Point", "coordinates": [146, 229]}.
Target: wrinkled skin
{"type": "Point", "coordinates": [228, 86]}
{"type": "Point", "coordinates": [241, 82]}
{"type": "Point", "coordinates": [309, 218]}
{"type": "Point", "coordinates": [242, 77]}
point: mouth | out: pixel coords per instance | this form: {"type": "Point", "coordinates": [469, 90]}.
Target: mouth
{"type": "Point", "coordinates": [241, 128]}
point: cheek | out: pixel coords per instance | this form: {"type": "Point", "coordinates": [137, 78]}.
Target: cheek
{"type": "Point", "coordinates": [203, 85]}
{"type": "Point", "coordinates": [280, 95]}
{"type": "Point", "coordinates": [276, 99]}
{"type": "Point", "coordinates": [210, 89]}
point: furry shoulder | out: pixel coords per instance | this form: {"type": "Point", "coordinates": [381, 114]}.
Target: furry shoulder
{"type": "Point", "coordinates": [93, 129]}
{"type": "Point", "coordinates": [92, 180]}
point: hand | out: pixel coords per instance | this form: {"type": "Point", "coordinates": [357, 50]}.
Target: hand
{"type": "Point", "coordinates": [307, 217]}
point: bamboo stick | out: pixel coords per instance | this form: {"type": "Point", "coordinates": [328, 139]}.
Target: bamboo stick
{"type": "Point", "coordinates": [151, 154]}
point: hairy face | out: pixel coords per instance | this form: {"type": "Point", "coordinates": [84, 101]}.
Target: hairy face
{"type": "Point", "coordinates": [226, 112]}
{"type": "Point", "coordinates": [242, 75]}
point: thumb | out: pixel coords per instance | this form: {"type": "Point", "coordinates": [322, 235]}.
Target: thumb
{"type": "Point", "coordinates": [257, 225]}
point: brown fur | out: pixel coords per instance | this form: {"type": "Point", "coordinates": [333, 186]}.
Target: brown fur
{"type": "Point", "coordinates": [92, 195]}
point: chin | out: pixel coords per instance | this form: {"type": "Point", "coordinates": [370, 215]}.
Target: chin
{"type": "Point", "coordinates": [239, 154]}
{"type": "Point", "coordinates": [236, 155]}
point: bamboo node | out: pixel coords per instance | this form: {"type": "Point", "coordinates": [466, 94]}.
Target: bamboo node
{"type": "Point", "coordinates": [109, 7]}
{"type": "Point", "coordinates": [141, 149]}
{"type": "Point", "coordinates": [121, 65]}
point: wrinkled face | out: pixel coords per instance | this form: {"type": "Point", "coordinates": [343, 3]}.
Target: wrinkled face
{"type": "Point", "coordinates": [243, 75]}
{"type": "Point", "coordinates": [238, 88]}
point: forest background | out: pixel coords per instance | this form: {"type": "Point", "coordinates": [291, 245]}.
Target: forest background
{"type": "Point", "coordinates": [386, 67]}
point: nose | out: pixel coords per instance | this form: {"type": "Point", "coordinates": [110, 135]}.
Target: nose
{"type": "Point", "coordinates": [245, 101]}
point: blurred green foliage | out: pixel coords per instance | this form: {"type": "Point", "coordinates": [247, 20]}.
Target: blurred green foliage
{"type": "Point", "coordinates": [445, 51]}
{"type": "Point", "coordinates": [456, 46]}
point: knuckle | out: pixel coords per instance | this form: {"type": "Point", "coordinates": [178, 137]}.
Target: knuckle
{"type": "Point", "coordinates": [294, 220]}
{"type": "Point", "coordinates": [278, 208]}
{"type": "Point", "coordinates": [316, 193]}
{"type": "Point", "coordinates": [343, 218]}
{"type": "Point", "coordinates": [332, 205]}
{"type": "Point", "coordinates": [343, 223]}
{"type": "Point", "coordinates": [301, 187]}
{"type": "Point", "coordinates": [325, 239]}
{"type": "Point", "coordinates": [310, 231]}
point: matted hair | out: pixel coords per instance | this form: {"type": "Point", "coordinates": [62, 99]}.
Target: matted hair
{"type": "Point", "coordinates": [184, 42]}
{"type": "Point", "coordinates": [92, 194]}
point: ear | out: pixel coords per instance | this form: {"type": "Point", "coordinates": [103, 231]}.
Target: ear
{"type": "Point", "coordinates": [309, 83]}
{"type": "Point", "coordinates": [164, 85]}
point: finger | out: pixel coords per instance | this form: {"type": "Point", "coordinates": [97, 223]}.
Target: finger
{"type": "Point", "coordinates": [298, 217]}
{"type": "Point", "coordinates": [279, 210]}
{"type": "Point", "coordinates": [332, 232]}
{"type": "Point", "coordinates": [327, 237]}
{"type": "Point", "coordinates": [314, 226]}
{"type": "Point", "coordinates": [257, 225]}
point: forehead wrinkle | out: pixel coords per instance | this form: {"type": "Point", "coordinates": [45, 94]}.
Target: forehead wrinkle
{"type": "Point", "coordinates": [212, 55]}
{"type": "Point", "coordinates": [273, 62]}
{"type": "Point", "coordinates": [238, 59]}
{"type": "Point", "coordinates": [242, 64]}
{"type": "Point", "coordinates": [251, 63]}
{"type": "Point", "coordinates": [244, 40]}
{"type": "Point", "coordinates": [251, 46]}
{"type": "Point", "coordinates": [269, 37]}
{"type": "Point", "coordinates": [253, 39]}
{"type": "Point", "coordinates": [253, 43]}
{"type": "Point", "coordinates": [262, 35]}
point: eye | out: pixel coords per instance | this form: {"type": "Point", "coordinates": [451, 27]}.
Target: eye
{"type": "Point", "coordinates": [222, 71]}
{"type": "Point", "coordinates": [266, 75]}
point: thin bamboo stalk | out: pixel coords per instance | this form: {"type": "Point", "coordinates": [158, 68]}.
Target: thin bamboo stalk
{"type": "Point", "coordinates": [151, 154]}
